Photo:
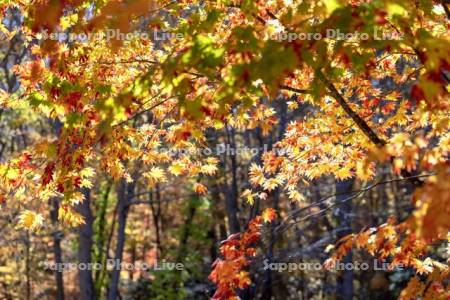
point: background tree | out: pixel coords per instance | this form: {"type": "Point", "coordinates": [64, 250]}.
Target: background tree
{"type": "Point", "coordinates": [127, 147]}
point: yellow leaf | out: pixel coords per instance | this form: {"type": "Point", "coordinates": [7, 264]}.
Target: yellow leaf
{"type": "Point", "coordinates": [208, 169]}
{"type": "Point", "coordinates": [344, 173]}
{"type": "Point", "coordinates": [157, 173]}
{"type": "Point", "coordinates": [247, 194]}
{"type": "Point", "coordinates": [395, 9]}
{"type": "Point", "coordinates": [269, 214]}
{"type": "Point", "coordinates": [296, 196]}
{"type": "Point", "coordinates": [176, 168]}
{"type": "Point", "coordinates": [271, 184]}
{"type": "Point", "coordinates": [332, 5]}
{"type": "Point", "coordinates": [256, 175]}
{"type": "Point", "coordinates": [69, 217]}
{"type": "Point", "coordinates": [87, 173]}
{"type": "Point", "coordinates": [30, 220]}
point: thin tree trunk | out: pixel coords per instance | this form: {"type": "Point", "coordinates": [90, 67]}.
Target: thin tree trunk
{"type": "Point", "coordinates": [57, 236]}
{"type": "Point", "coordinates": [28, 263]}
{"type": "Point", "coordinates": [103, 271]}
{"type": "Point", "coordinates": [156, 216]}
{"type": "Point", "coordinates": [343, 213]}
{"type": "Point", "coordinates": [231, 195]}
{"type": "Point", "coordinates": [124, 191]}
{"type": "Point", "coordinates": [101, 243]}
{"type": "Point", "coordinates": [185, 234]}
{"type": "Point", "coordinates": [184, 238]}
{"type": "Point", "coordinates": [85, 243]}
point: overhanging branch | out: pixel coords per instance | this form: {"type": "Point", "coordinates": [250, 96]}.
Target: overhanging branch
{"type": "Point", "coordinates": [362, 125]}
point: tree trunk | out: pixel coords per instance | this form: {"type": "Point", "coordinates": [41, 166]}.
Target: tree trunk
{"type": "Point", "coordinates": [183, 247]}
{"type": "Point", "coordinates": [28, 265]}
{"type": "Point", "coordinates": [57, 236]}
{"type": "Point", "coordinates": [85, 243]}
{"type": "Point", "coordinates": [231, 194]}
{"type": "Point", "coordinates": [343, 214]}
{"type": "Point", "coordinates": [156, 216]}
{"type": "Point", "coordinates": [101, 232]}
{"type": "Point", "coordinates": [125, 190]}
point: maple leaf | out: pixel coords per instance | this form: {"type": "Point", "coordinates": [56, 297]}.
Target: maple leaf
{"type": "Point", "coordinates": [48, 173]}
{"type": "Point", "coordinates": [247, 194]}
{"type": "Point", "coordinates": [364, 170]}
{"type": "Point", "coordinates": [262, 196]}
{"type": "Point", "coordinates": [256, 175]}
{"type": "Point", "coordinates": [200, 189]}
{"type": "Point", "coordinates": [243, 279]}
{"type": "Point", "coordinates": [209, 169]}
{"type": "Point", "coordinates": [269, 214]}
{"type": "Point", "coordinates": [344, 173]}
{"type": "Point", "coordinates": [176, 168]}
{"type": "Point", "coordinates": [271, 184]}
{"type": "Point", "coordinates": [388, 108]}
{"type": "Point", "coordinates": [155, 175]}
{"type": "Point", "coordinates": [362, 239]}
{"type": "Point", "coordinates": [87, 172]}
{"type": "Point", "coordinates": [228, 273]}
{"type": "Point", "coordinates": [423, 267]}
{"type": "Point", "coordinates": [30, 220]}
{"type": "Point", "coordinates": [294, 195]}
{"type": "Point", "coordinates": [68, 216]}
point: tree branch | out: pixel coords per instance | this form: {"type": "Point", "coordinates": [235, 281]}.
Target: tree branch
{"type": "Point", "coordinates": [362, 125]}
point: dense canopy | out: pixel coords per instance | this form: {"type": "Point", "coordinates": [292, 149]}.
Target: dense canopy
{"type": "Point", "coordinates": [225, 136]}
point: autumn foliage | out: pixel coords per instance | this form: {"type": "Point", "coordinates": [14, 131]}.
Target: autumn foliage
{"type": "Point", "coordinates": [144, 113]}
{"type": "Point", "coordinates": [229, 273]}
